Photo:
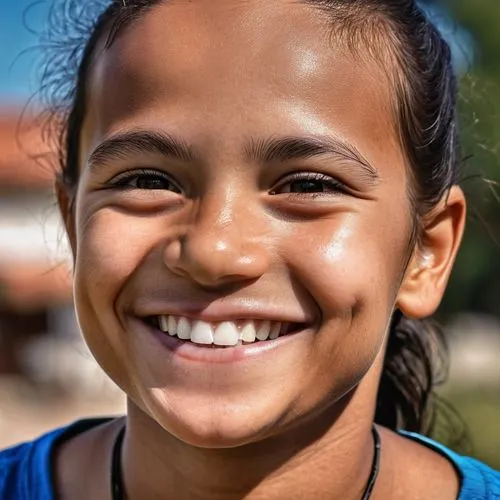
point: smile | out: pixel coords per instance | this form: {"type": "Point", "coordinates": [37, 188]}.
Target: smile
{"type": "Point", "coordinates": [223, 333]}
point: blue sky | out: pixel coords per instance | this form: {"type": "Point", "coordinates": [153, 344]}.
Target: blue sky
{"type": "Point", "coordinates": [17, 76]}
{"type": "Point", "coordinates": [16, 69]}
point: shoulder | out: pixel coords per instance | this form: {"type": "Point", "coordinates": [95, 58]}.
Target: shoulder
{"type": "Point", "coordinates": [26, 469]}
{"type": "Point", "coordinates": [478, 480]}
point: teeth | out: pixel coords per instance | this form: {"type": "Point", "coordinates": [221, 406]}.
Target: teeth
{"type": "Point", "coordinates": [226, 334]}
{"type": "Point", "coordinates": [164, 324]}
{"type": "Point", "coordinates": [184, 329]}
{"type": "Point", "coordinates": [202, 333]}
{"type": "Point", "coordinates": [275, 331]}
{"type": "Point", "coordinates": [263, 330]}
{"type": "Point", "coordinates": [247, 333]}
{"type": "Point", "coordinates": [172, 326]}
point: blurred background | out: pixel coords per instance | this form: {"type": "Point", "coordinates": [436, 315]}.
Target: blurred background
{"type": "Point", "coordinates": [47, 375]}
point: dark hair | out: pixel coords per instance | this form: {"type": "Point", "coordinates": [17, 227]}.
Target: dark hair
{"type": "Point", "coordinates": [417, 61]}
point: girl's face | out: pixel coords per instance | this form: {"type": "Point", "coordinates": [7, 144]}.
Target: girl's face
{"type": "Point", "coordinates": [238, 165]}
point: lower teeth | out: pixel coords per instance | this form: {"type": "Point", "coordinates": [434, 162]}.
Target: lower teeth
{"type": "Point", "coordinates": [213, 346]}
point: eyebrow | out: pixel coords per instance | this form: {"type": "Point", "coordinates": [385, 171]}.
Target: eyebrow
{"type": "Point", "coordinates": [282, 149]}
{"type": "Point", "coordinates": [119, 146]}
{"type": "Point", "coordinates": [299, 148]}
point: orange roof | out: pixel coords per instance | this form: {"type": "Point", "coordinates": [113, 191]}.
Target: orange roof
{"type": "Point", "coordinates": [20, 142]}
{"type": "Point", "coordinates": [31, 287]}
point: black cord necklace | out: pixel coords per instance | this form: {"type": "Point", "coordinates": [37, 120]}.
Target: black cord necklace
{"type": "Point", "coordinates": [375, 465]}
{"type": "Point", "coordinates": [117, 488]}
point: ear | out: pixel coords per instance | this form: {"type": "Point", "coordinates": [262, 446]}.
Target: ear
{"type": "Point", "coordinates": [432, 261]}
{"type": "Point", "coordinates": [65, 199]}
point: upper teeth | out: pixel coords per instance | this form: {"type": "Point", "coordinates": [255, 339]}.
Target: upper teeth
{"type": "Point", "coordinates": [226, 333]}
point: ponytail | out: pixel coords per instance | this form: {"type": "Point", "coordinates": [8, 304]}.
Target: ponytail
{"type": "Point", "coordinates": [416, 361]}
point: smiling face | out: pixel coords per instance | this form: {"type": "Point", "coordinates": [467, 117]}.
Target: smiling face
{"type": "Point", "coordinates": [236, 165]}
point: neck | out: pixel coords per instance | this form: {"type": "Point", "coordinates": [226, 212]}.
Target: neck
{"type": "Point", "coordinates": [329, 455]}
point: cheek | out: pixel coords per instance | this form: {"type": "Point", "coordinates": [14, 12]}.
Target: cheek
{"type": "Point", "coordinates": [347, 264]}
{"type": "Point", "coordinates": [110, 246]}
{"type": "Point", "coordinates": [351, 268]}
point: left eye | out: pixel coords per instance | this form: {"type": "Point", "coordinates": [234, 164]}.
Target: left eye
{"type": "Point", "coordinates": [309, 184]}
{"type": "Point", "coordinates": [145, 179]}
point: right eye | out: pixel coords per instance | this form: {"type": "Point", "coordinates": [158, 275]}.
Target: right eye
{"type": "Point", "coordinates": [145, 179]}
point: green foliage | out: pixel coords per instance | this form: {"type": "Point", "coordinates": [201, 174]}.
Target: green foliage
{"type": "Point", "coordinates": [475, 284]}
{"type": "Point", "coordinates": [481, 411]}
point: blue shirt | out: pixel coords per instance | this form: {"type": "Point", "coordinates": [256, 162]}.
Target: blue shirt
{"type": "Point", "coordinates": [26, 470]}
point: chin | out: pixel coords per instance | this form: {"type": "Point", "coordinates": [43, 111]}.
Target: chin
{"type": "Point", "coordinates": [215, 437]}
{"type": "Point", "coordinates": [212, 423]}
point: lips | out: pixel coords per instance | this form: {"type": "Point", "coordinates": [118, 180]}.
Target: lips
{"type": "Point", "coordinates": [226, 333]}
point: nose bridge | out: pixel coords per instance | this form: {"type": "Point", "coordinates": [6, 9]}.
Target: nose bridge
{"type": "Point", "coordinates": [217, 223]}
{"type": "Point", "coordinates": [223, 241]}
{"type": "Point", "coordinates": [220, 208]}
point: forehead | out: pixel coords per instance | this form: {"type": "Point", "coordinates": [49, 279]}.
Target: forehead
{"type": "Point", "coordinates": [183, 38]}
{"type": "Point", "coordinates": [274, 64]}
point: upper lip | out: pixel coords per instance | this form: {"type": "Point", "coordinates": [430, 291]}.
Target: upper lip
{"type": "Point", "coordinates": [219, 311]}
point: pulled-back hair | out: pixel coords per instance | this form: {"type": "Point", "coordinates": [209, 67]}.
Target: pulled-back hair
{"type": "Point", "coordinates": [417, 61]}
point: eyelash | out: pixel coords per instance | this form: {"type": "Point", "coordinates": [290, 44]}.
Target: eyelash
{"type": "Point", "coordinates": [333, 186]}
{"type": "Point", "coordinates": [124, 180]}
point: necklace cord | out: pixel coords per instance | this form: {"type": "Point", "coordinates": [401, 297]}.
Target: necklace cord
{"type": "Point", "coordinates": [375, 464]}
{"type": "Point", "coordinates": [117, 486]}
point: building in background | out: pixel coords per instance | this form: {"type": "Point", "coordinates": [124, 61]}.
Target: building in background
{"type": "Point", "coordinates": [35, 290]}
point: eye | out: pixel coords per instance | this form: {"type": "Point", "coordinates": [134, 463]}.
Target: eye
{"type": "Point", "coordinates": [304, 184]}
{"type": "Point", "coordinates": [145, 179]}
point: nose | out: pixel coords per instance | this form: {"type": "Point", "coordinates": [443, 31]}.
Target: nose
{"type": "Point", "coordinates": [223, 244]}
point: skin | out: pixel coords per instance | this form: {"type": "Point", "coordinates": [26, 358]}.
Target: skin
{"type": "Point", "coordinates": [223, 236]}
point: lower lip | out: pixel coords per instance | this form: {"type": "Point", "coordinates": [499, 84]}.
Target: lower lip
{"type": "Point", "coordinates": [208, 354]}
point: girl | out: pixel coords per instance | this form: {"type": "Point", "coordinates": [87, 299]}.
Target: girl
{"type": "Point", "coordinates": [261, 199]}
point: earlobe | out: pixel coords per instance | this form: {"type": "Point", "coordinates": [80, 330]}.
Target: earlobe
{"type": "Point", "coordinates": [65, 200]}
{"type": "Point", "coordinates": [431, 265]}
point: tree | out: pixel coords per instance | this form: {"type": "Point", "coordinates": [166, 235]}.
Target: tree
{"type": "Point", "coordinates": [475, 284]}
